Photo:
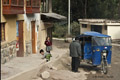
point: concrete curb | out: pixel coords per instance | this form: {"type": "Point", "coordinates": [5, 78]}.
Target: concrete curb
{"type": "Point", "coordinates": [62, 39]}
{"type": "Point", "coordinates": [115, 44]}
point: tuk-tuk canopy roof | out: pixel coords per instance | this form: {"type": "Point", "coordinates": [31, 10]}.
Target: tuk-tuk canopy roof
{"type": "Point", "coordinates": [94, 34]}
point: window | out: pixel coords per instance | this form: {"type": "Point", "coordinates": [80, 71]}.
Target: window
{"type": "Point", "coordinates": [28, 2]}
{"type": "Point", "coordinates": [84, 25]}
{"type": "Point", "coordinates": [2, 36]}
{"type": "Point", "coordinates": [44, 5]}
{"type": "Point", "coordinates": [105, 27]}
{"type": "Point", "coordinates": [5, 1]}
{"type": "Point", "coordinates": [17, 2]}
{"type": "Point", "coordinates": [101, 41]}
{"type": "Point", "coordinates": [36, 3]}
{"type": "Point", "coordinates": [96, 28]}
{"type": "Point", "coordinates": [14, 2]}
{"type": "Point", "coordinates": [21, 2]}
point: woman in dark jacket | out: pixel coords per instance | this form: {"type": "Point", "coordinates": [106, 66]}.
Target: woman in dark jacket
{"type": "Point", "coordinates": [48, 44]}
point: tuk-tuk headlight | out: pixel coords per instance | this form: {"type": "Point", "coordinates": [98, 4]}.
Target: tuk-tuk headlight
{"type": "Point", "coordinates": [104, 54]}
{"type": "Point", "coordinates": [93, 50]}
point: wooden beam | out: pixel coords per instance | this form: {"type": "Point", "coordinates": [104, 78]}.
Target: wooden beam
{"type": "Point", "coordinates": [9, 2]}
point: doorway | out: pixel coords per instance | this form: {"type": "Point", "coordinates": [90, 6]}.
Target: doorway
{"type": "Point", "coordinates": [96, 28]}
{"type": "Point", "coordinates": [20, 38]}
{"type": "Point", "coordinates": [34, 37]}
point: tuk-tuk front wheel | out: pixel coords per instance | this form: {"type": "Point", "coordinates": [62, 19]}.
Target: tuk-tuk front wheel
{"type": "Point", "coordinates": [104, 67]}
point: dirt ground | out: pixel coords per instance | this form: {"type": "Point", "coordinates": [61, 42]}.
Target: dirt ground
{"type": "Point", "coordinates": [63, 66]}
{"type": "Point", "coordinates": [59, 67]}
{"type": "Point", "coordinates": [87, 72]}
{"type": "Point", "coordinates": [20, 64]}
{"type": "Point", "coordinates": [113, 71]}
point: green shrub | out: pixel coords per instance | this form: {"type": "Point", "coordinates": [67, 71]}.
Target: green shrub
{"type": "Point", "coordinates": [75, 28]}
{"type": "Point", "coordinates": [59, 31]}
{"type": "Point", "coordinates": [62, 31]}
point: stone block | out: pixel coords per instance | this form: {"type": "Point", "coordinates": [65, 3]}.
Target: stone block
{"type": "Point", "coordinates": [45, 75]}
{"type": "Point", "coordinates": [10, 56]}
{"type": "Point", "coordinates": [3, 46]}
{"type": "Point", "coordinates": [6, 52]}
{"type": "Point", "coordinates": [3, 60]}
{"type": "Point", "coordinates": [28, 48]}
{"type": "Point", "coordinates": [7, 59]}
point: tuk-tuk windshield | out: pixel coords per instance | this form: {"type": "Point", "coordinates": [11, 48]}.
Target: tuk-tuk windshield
{"type": "Point", "coordinates": [101, 41]}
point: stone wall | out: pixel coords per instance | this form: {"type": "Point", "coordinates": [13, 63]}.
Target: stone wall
{"type": "Point", "coordinates": [8, 51]}
{"type": "Point", "coordinates": [28, 48]}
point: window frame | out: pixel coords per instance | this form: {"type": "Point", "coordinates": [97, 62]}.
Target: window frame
{"type": "Point", "coordinates": [10, 2]}
{"type": "Point", "coordinates": [84, 26]}
{"type": "Point", "coordinates": [29, 2]}
{"type": "Point", "coordinates": [6, 2]}
{"type": "Point", "coordinates": [17, 3]}
{"type": "Point", "coordinates": [33, 3]}
{"type": "Point", "coordinates": [43, 7]}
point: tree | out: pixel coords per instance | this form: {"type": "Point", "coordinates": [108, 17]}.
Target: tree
{"type": "Point", "coordinates": [60, 7]}
{"type": "Point", "coordinates": [88, 8]}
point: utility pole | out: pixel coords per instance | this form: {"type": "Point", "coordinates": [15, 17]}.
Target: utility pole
{"type": "Point", "coordinates": [119, 10]}
{"type": "Point", "coordinates": [68, 17]}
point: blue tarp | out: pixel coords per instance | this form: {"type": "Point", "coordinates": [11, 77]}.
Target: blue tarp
{"type": "Point", "coordinates": [95, 34]}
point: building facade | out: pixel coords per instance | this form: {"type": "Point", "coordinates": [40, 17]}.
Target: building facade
{"type": "Point", "coordinates": [102, 26]}
{"type": "Point", "coordinates": [23, 31]}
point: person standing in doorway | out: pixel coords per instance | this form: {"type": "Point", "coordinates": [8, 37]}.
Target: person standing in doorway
{"type": "Point", "coordinates": [48, 44]}
{"type": "Point", "coordinates": [75, 53]}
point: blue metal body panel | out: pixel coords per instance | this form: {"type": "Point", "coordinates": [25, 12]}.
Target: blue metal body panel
{"type": "Point", "coordinates": [95, 54]}
{"type": "Point", "coordinates": [87, 50]}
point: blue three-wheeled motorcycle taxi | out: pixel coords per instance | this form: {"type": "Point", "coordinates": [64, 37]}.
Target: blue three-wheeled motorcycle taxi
{"type": "Point", "coordinates": [96, 48]}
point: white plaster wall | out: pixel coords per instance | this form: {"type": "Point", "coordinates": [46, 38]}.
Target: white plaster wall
{"type": "Point", "coordinates": [32, 17]}
{"type": "Point", "coordinates": [114, 32]}
{"type": "Point", "coordinates": [82, 30]}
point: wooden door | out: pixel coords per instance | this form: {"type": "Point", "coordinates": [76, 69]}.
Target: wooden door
{"type": "Point", "coordinates": [20, 53]}
{"type": "Point", "coordinates": [33, 37]}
